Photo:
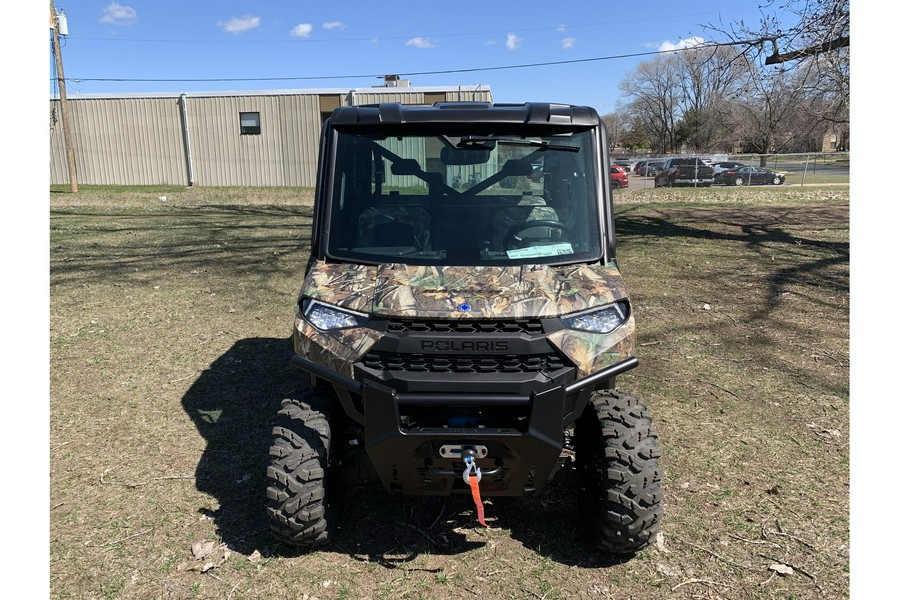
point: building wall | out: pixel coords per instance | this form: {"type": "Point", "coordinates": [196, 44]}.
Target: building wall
{"type": "Point", "coordinates": [282, 154]}
{"type": "Point", "coordinates": [141, 141]}
{"type": "Point", "coordinates": [120, 141]}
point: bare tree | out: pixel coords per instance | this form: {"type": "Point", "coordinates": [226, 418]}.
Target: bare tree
{"type": "Point", "coordinates": [615, 124]}
{"type": "Point", "coordinates": [712, 78]}
{"type": "Point", "coordinates": [818, 43]}
{"type": "Point", "coordinates": [652, 91]}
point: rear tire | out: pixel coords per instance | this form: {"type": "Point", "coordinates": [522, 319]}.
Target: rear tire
{"type": "Point", "coordinates": [738, 181]}
{"type": "Point", "coordinates": [300, 505]}
{"type": "Point", "coordinates": [620, 491]}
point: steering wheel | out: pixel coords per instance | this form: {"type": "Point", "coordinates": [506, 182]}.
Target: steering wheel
{"type": "Point", "coordinates": [511, 234]}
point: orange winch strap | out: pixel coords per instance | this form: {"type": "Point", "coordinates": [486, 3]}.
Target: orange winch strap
{"type": "Point", "coordinates": [476, 496]}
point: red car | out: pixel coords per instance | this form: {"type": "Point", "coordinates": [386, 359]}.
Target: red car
{"type": "Point", "coordinates": [619, 177]}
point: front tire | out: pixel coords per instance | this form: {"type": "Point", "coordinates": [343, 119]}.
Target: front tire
{"type": "Point", "coordinates": [300, 506]}
{"type": "Point", "coordinates": [777, 180]}
{"type": "Point", "coordinates": [620, 490]}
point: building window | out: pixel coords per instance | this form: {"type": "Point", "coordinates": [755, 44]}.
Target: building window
{"type": "Point", "coordinates": [250, 123]}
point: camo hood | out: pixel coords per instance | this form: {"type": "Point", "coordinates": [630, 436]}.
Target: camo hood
{"type": "Point", "coordinates": [441, 292]}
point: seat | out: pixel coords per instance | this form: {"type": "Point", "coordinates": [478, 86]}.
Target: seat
{"type": "Point", "coordinates": [392, 226]}
{"type": "Point", "coordinates": [393, 233]}
{"type": "Point", "coordinates": [529, 208]}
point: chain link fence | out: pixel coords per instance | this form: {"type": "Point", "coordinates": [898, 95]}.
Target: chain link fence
{"type": "Point", "coordinates": [799, 168]}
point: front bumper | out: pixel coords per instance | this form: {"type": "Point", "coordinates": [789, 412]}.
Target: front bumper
{"type": "Point", "coordinates": [523, 435]}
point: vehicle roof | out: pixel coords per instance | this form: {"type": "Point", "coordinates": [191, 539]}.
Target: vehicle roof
{"type": "Point", "coordinates": [542, 113]}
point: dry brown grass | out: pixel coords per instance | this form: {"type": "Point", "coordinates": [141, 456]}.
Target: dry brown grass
{"type": "Point", "coordinates": [169, 326]}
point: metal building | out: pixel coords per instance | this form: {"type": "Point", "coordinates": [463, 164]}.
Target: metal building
{"type": "Point", "coordinates": [266, 138]}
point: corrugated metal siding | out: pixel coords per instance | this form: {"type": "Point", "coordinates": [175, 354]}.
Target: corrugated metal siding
{"type": "Point", "coordinates": [301, 124]}
{"type": "Point", "coordinates": [470, 96]}
{"type": "Point", "coordinates": [284, 153]}
{"type": "Point", "coordinates": [139, 140]}
{"type": "Point", "coordinates": [121, 141]}
{"type": "Point", "coordinates": [379, 96]}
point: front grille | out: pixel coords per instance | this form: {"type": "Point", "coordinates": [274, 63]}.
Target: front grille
{"type": "Point", "coordinates": [459, 363]}
{"type": "Point", "coordinates": [527, 326]}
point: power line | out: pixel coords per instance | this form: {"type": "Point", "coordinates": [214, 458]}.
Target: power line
{"type": "Point", "coordinates": [414, 73]}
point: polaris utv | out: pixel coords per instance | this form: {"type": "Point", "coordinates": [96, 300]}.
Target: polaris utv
{"type": "Point", "coordinates": [463, 322]}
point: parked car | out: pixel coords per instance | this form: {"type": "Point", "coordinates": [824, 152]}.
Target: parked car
{"type": "Point", "coordinates": [625, 163]}
{"type": "Point", "coordinates": [720, 167]}
{"type": "Point", "coordinates": [649, 168]}
{"type": "Point", "coordinates": [683, 170]}
{"type": "Point", "coordinates": [751, 176]}
{"type": "Point", "coordinates": [618, 176]}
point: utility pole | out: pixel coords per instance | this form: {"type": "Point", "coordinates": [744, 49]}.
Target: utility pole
{"type": "Point", "coordinates": [63, 107]}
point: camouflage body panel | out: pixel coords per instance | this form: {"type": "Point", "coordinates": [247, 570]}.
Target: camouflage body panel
{"type": "Point", "coordinates": [335, 350]}
{"type": "Point", "coordinates": [432, 292]}
{"type": "Point", "coordinates": [345, 285]}
{"type": "Point", "coordinates": [592, 352]}
{"type": "Point", "coordinates": [436, 292]}
{"type": "Point", "coordinates": [528, 291]}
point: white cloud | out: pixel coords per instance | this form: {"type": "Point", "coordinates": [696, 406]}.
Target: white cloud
{"type": "Point", "coordinates": [421, 42]}
{"type": "Point", "coordinates": [513, 41]}
{"type": "Point", "coordinates": [491, 43]}
{"type": "Point", "coordinates": [302, 30]}
{"type": "Point", "coordinates": [333, 25]}
{"type": "Point", "coordinates": [681, 44]}
{"type": "Point", "coordinates": [567, 43]}
{"type": "Point", "coordinates": [561, 28]}
{"type": "Point", "coordinates": [239, 25]}
{"type": "Point", "coordinates": [116, 14]}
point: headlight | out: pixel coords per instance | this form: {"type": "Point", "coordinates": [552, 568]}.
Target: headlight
{"type": "Point", "coordinates": [600, 320]}
{"type": "Point", "coordinates": [325, 317]}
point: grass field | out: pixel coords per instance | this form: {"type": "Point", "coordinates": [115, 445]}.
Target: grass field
{"type": "Point", "coordinates": [169, 331]}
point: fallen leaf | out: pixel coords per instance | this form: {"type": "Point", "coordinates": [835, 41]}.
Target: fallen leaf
{"type": "Point", "coordinates": [666, 570]}
{"type": "Point", "coordinates": [208, 567]}
{"type": "Point", "coordinates": [215, 565]}
{"type": "Point", "coordinates": [255, 557]}
{"type": "Point", "coordinates": [781, 569]}
{"type": "Point", "coordinates": [201, 550]}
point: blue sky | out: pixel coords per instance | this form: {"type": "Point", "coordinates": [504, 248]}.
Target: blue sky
{"type": "Point", "coordinates": [348, 44]}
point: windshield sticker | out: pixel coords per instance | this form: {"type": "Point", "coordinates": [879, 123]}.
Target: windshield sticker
{"type": "Point", "coordinates": [539, 251]}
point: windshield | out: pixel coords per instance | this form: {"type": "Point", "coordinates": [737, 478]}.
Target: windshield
{"type": "Point", "coordinates": [473, 198]}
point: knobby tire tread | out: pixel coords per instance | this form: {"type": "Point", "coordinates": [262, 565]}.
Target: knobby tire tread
{"type": "Point", "coordinates": [622, 497]}
{"type": "Point", "coordinates": [297, 496]}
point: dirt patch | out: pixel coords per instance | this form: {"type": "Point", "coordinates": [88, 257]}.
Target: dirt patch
{"type": "Point", "coordinates": [169, 352]}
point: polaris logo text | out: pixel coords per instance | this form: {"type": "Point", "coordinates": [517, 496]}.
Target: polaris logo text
{"type": "Point", "coordinates": [464, 346]}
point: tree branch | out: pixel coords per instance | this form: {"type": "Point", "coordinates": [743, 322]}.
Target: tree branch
{"type": "Point", "coordinates": [776, 58]}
